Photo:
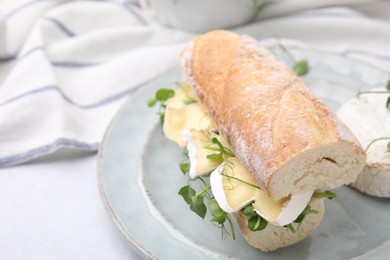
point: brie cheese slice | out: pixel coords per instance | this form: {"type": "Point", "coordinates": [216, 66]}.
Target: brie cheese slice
{"type": "Point", "coordinates": [368, 118]}
{"type": "Point", "coordinates": [197, 141]}
{"type": "Point", "coordinates": [234, 188]}
{"type": "Point", "coordinates": [181, 116]}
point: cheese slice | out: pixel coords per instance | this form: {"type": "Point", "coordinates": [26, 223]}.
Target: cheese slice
{"type": "Point", "coordinates": [232, 194]}
{"type": "Point", "coordinates": [180, 116]}
{"type": "Point", "coordinates": [234, 188]}
{"type": "Point", "coordinates": [368, 118]}
{"type": "Point", "coordinates": [197, 141]}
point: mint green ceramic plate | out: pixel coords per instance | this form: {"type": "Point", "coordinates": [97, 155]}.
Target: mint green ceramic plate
{"type": "Point", "coordinates": [139, 179]}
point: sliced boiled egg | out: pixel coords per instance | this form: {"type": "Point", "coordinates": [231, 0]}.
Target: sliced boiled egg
{"type": "Point", "coordinates": [181, 116]}
{"type": "Point", "coordinates": [197, 141]}
{"type": "Point", "coordinates": [234, 188]}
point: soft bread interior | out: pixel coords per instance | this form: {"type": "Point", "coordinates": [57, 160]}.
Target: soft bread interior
{"type": "Point", "coordinates": [323, 167]}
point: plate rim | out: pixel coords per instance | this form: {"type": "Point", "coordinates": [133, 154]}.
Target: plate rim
{"type": "Point", "coordinates": [139, 249]}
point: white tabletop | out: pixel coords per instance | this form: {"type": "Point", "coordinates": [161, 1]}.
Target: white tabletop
{"type": "Point", "coordinates": [52, 209]}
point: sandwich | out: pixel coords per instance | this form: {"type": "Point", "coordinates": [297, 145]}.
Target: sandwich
{"type": "Point", "coordinates": [270, 148]}
{"type": "Point", "coordinates": [368, 117]}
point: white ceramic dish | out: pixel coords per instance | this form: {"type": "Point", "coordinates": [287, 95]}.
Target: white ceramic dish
{"type": "Point", "coordinates": [139, 179]}
{"type": "Point", "coordinates": [201, 15]}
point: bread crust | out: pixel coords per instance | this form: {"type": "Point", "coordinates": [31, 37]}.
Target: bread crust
{"type": "Point", "coordinates": [274, 237]}
{"type": "Point", "coordinates": [266, 113]}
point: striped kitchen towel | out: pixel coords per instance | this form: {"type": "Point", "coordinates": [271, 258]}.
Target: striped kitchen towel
{"type": "Point", "coordinates": [67, 66]}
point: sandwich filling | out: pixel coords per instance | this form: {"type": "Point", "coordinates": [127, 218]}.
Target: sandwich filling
{"type": "Point", "coordinates": [188, 124]}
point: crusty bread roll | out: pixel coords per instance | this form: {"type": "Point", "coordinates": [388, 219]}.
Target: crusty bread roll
{"type": "Point", "coordinates": [284, 136]}
{"type": "Point", "coordinates": [274, 237]}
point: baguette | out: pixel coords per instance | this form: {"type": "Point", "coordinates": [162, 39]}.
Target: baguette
{"type": "Point", "coordinates": [287, 145]}
{"type": "Point", "coordinates": [287, 139]}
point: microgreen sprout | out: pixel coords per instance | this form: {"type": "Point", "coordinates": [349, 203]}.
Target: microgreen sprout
{"type": "Point", "coordinates": [184, 167]}
{"type": "Point", "coordinates": [197, 204]}
{"type": "Point", "coordinates": [325, 194]}
{"type": "Point", "coordinates": [387, 91]}
{"type": "Point", "coordinates": [299, 220]}
{"type": "Point", "coordinates": [238, 179]}
{"type": "Point", "coordinates": [161, 97]}
{"type": "Point", "coordinates": [223, 152]}
{"type": "Point", "coordinates": [255, 222]}
{"type": "Point", "coordinates": [372, 92]}
{"type": "Point", "coordinates": [300, 67]}
{"type": "Point", "coordinates": [379, 139]}
{"type": "Point", "coordinates": [220, 217]}
{"type": "Point", "coordinates": [190, 99]}
{"type": "Point", "coordinates": [195, 199]}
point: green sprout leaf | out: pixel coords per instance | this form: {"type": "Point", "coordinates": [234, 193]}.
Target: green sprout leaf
{"type": "Point", "coordinates": [215, 156]}
{"type": "Point", "coordinates": [291, 228]}
{"type": "Point", "coordinates": [388, 147]}
{"type": "Point", "coordinates": [388, 103]}
{"type": "Point", "coordinates": [187, 193]}
{"type": "Point", "coordinates": [257, 223]}
{"type": "Point", "coordinates": [185, 167]}
{"type": "Point", "coordinates": [218, 214]}
{"type": "Point", "coordinates": [223, 151]}
{"type": "Point", "coordinates": [301, 68]}
{"type": "Point", "coordinates": [250, 211]}
{"type": "Point", "coordinates": [307, 211]}
{"type": "Point", "coordinates": [326, 194]}
{"type": "Point", "coordinates": [152, 102]}
{"type": "Point", "coordinates": [195, 200]}
{"type": "Point", "coordinates": [190, 101]}
{"type": "Point", "coordinates": [198, 206]}
{"type": "Point", "coordinates": [164, 94]}
{"type": "Point", "coordinates": [388, 85]}
{"type": "Point", "coordinates": [161, 96]}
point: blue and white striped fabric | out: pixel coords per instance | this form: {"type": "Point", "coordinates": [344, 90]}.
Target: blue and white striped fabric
{"type": "Point", "coordinates": [67, 66]}
{"type": "Point", "coordinates": [65, 69]}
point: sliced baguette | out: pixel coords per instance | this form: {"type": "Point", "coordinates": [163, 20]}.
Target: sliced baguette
{"type": "Point", "coordinates": [284, 136]}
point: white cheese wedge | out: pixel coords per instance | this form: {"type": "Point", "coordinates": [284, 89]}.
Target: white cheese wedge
{"type": "Point", "coordinates": [180, 116]}
{"type": "Point", "coordinates": [232, 194]}
{"type": "Point", "coordinates": [368, 118]}
{"type": "Point", "coordinates": [293, 207]}
{"type": "Point", "coordinates": [197, 141]}
{"type": "Point", "coordinates": [239, 189]}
